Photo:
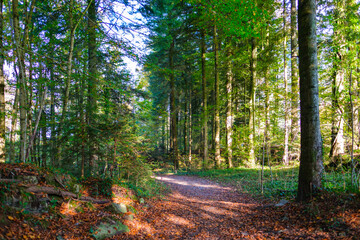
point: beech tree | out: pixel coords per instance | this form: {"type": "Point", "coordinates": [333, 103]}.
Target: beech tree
{"type": "Point", "coordinates": [311, 166]}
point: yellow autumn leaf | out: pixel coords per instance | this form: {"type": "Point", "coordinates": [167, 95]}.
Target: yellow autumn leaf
{"type": "Point", "coordinates": [11, 218]}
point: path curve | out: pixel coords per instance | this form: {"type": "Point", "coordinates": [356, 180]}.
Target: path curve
{"type": "Point", "coordinates": [198, 208]}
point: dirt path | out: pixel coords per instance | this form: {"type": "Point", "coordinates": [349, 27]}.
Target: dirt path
{"type": "Point", "coordinates": [200, 209]}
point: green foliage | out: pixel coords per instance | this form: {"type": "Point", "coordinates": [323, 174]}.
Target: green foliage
{"type": "Point", "coordinates": [280, 182]}
{"type": "Point", "coordinates": [98, 186]}
{"type": "Point", "coordinates": [146, 189]}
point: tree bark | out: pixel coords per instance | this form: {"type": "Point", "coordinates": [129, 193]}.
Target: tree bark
{"type": "Point", "coordinates": [294, 78]}
{"type": "Point", "coordinates": [229, 115]}
{"type": "Point", "coordinates": [173, 110]}
{"type": "Point", "coordinates": [286, 123]}
{"type": "Point", "coordinates": [253, 61]}
{"type": "Point", "coordinates": [311, 166]}
{"type": "Point", "coordinates": [204, 102]}
{"type": "Point", "coordinates": [2, 88]}
{"type": "Point", "coordinates": [92, 83]}
{"type": "Point", "coordinates": [216, 112]}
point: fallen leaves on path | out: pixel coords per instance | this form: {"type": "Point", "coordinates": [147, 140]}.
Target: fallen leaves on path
{"type": "Point", "coordinates": [201, 209]}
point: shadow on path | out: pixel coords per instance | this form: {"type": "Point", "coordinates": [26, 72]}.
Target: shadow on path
{"type": "Point", "coordinates": [201, 209]}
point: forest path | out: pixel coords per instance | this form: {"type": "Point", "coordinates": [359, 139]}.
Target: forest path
{"type": "Point", "coordinates": [198, 208]}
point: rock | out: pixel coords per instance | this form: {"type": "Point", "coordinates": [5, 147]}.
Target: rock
{"type": "Point", "coordinates": [77, 188]}
{"type": "Point", "coordinates": [141, 201]}
{"type": "Point", "coordinates": [106, 229]}
{"type": "Point", "coordinates": [281, 203]}
{"type": "Point", "coordinates": [117, 208]}
{"type": "Point", "coordinates": [29, 179]}
{"type": "Point", "coordinates": [129, 217]}
{"type": "Point", "coordinates": [50, 179]}
{"type": "Point", "coordinates": [131, 209]}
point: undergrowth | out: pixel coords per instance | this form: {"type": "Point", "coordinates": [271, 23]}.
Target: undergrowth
{"type": "Point", "coordinates": [279, 182]}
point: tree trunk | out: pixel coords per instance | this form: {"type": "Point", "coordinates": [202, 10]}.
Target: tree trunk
{"type": "Point", "coordinates": [216, 112]}
{"type": "Point", "coordinates": [286, 124]}
{"type": "Point", "coordinates": [253, 61]}
{"type": "Point", "coordinates": [204, 101]}
{"type": "Point", "coordinates": [21, 79]}
{"type": "Point", "coordinates": [14, 114]}
{"type": "Point", "coordinates": [311, 166]}
{"type": "Point", "coordinates": [229, 115]}
{"type": "Point", "coordinates": [44, 147]}
{"type": "Point", "coordinates": [92, 83]}
{"type": "Point", "coordinates": [2, 88]}
{"type": "Point", "coordinates": [337, 128]}
{"type": "Point", "coordinates": [337, 122]}
{"type": "Point", "coordinates": [294, 77]}
{"type": "Point", "coordinates": [173, 110]}
{"type": "Point", "coordinates": [190, 123]}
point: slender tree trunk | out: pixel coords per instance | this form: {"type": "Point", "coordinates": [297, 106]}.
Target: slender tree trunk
{"type": "Point", "coordinates": [311, 166]}
{"type": "Point", "coordinates": [31, 141]}
{"type": "Point", "coordinates": [338, 121]}
{"type": "Point", "coordinates": [253, 61]}
{"type": "Point", "coordinates": [44, 147]}
{"type": "Point", "coordinates": [216, 112]}
{"type": "Point", "coordinates": [92, 83]}
{"type": "Point", "coordinates": [204, 102]}
{"type": "Point", "coordinates": [294, 77]}
{"type": "Point", "coordinates": [21, 77]}
{"type": "Point", "coordinates": [173, 109]}
{"type": "Point", "coordinates": [14, 114]}
{"type": "Point", "coordinates": [337, 128]}
{"type": "Point", "coordinates": [229, 115]}
{"type": "Point", "coordinates": [286, 124]}
{"type": "Point", "coordinates": [2, 88]}
{"type": "Point", "coordinates": [190, 123]}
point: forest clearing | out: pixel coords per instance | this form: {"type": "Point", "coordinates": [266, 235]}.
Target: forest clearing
{"type": "Point", "coordinates": [179, 119]}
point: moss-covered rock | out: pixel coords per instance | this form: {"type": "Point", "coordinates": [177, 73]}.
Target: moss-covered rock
{"type": "Point", "coordinates": [108, 228]}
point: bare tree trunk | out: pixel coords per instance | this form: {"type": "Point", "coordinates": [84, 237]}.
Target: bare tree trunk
{"type": "Point", "coordinates": [204, 101]}
{"type": "Point", "coordinates": [253, 61]}
{"type": "Point", "coordinates": [44, 140]}
{"type": "Point", "coordinates": [216, 112]}
{"type": "Point", "coordinates": [229, 115]}
{"type": "Point", "coordinates": [14, 114]}
{"type": "Point", "coordinates": [173, 110]}
{"type": "Point", "coordinates": [92, 83]}
{"type": "Point", "coordinates": [286, 137]}
{"type": "Point", "coordinates": [311, 166]}
{"type": "Point", "coordinates": [2, 89]}
{"type": "Point", "coordinates": [21, 76]}
{"type": "Point", "coordinates": [294, 78]}
{"type": "Point", "coordinates": [31, 141]}
{"type": "Point", "coordinates": [190, 123]}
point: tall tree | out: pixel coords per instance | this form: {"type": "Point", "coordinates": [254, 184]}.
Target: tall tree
{"type": "Point", "coordinates": [2, 87]}
{"type": "Point", "coordinates": [92, 81]}
{"type": "Point", "coordinates": [286, 123]}
{"type": "Point", "coordinates": [204, 100]}
{"type": "Point", "coordinates": [252, 132]}
{"type": "Point", "coordinates": [229, 114]}
{"type": "Point", "coordinates": [216, 112]}
{"type": "Point", "coordinates": [294, 76]}
{"type": "Point", "coordinates": [311, 166]}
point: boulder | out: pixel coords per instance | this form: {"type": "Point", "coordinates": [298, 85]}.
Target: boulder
{"type": "Point", "coordinates": [117, 208]}
{"type": "Point", "coordinates": [129, 217]}
{"type": "Point", "coordinates": [281, 203]}
{"type": "Point", "coordinates": [29, 179]}
{"type": "Point", "coordinates": [109, 228]}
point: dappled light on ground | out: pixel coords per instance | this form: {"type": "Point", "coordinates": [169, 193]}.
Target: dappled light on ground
{"type": "Point", "coordinates": [200, 209]}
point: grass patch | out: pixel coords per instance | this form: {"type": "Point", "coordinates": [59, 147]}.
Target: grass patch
{"type": "Point", "coordinates": [279, 182]}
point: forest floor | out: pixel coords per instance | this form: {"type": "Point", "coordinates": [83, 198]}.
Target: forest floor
{"type": "Point", "coordinates": [196, 208]}
{"type": "Point", "coordinates": [199, 208]}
